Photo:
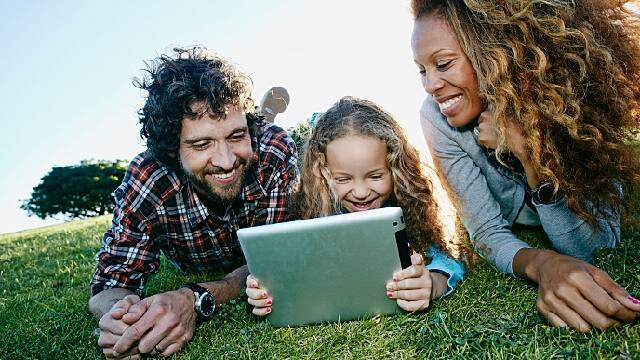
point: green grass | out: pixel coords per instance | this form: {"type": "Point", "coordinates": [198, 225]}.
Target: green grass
{"type": "Point", "coordinates": [43, 313]}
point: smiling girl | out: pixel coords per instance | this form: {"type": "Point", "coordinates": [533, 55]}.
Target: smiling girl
{"type": "Point", "coordinates": [358, 158]}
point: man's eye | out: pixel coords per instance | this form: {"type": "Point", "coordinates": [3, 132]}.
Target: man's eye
{"type": "Point", "coordinates": [442, 65]}
{"type": "Point", "coordinates": [200, 146]}
{"type": "Point", "coordinates": [238, 136]}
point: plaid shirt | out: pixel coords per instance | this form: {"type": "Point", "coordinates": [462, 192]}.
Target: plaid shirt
{"type": "Point", "coordinates": [157, 211]}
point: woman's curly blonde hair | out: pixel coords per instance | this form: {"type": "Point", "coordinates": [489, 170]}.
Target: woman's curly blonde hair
{"type": "Point", "coordinates": [568, 74]}
{"type": "Point", "coordinates": [412, 190]}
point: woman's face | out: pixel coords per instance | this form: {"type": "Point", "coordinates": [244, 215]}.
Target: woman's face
{"type": "Point", "coordinates": [446, 72]}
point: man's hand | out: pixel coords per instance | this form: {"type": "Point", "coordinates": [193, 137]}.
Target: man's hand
{"type": "Point", "coordinates": [112, 327]}
{"type": "Point", "coordinates": [162, 323]}
{"type": "Point", "coordinates": [576, 294]}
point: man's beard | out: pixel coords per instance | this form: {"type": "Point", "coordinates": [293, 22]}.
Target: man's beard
{"type": "Point", "coordinates": [219, 197]}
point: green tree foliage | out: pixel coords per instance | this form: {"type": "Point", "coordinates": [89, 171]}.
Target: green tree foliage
{"type": "Point", "coordinates": [301, 132]}
{"type": "Point", "coordinates": [77, 191]}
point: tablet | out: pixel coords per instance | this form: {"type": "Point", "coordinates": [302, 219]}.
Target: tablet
{"type": "Point", "coordinates": [328, 269]}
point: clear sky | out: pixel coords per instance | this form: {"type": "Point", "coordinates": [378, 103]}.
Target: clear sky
{"type": "Point", "coordinates": [67, 67]}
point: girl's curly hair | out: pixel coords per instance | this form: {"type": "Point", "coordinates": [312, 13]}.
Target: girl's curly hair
{"type": "Point", "coordinates": [412, 190]}
{"type": "Point", "coordinates": [567, 73]}
{"type": "Point", "coordinates": [175, 83]}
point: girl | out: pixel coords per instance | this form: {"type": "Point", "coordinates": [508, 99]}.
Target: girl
{"type": "Point", "coordinates": [530, 109]}
{"type": "Point", "coordinates": [358, 158]}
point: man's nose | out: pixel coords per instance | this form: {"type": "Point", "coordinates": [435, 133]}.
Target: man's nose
{"type": "Point", "coordinates": [223, 157]}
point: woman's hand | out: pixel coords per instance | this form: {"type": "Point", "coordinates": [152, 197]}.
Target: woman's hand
{"type": "Point", "coordinates": [258, 297]}
{"type": "Point", "coordinates": [415, 287]}
{"type": "Point", "coordinates": [574, 293]}
{"type": "Point", "coordinates": [487, 136]}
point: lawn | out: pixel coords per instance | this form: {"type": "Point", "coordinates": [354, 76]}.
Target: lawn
{"type": "Point", "coordinates": [44, 292]}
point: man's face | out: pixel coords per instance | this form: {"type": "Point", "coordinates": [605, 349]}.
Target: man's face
{"type": "Point", "coordinates": [215, 153]}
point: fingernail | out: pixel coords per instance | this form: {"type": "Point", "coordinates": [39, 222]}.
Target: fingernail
{"type": "Point", "coordinates": [269, 302]}
{"type": "Point", "coordinates": [264, 294]}
{"type": "Point", "coordinates": [634, 300]}
{"type": "Point", "coordinates": [389, 293]}
{"type": "Point", "coordinates": [268, 310]}
{"type": "Point", "coordinates": [395, 278]}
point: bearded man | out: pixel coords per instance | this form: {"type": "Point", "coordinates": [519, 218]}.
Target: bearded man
{"type": "Point", "coordinates": [211, 167]}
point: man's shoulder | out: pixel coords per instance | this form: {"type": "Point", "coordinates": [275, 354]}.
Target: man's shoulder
{"type": "Point", "coordinates": [147, 180]}
{"type": "Point", "coordinates": [275, 141]}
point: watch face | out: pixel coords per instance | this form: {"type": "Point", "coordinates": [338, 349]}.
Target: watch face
{"type": "Point", "coordinates": [545, 192]}
{"type": "Point", "coordinates": [207, 305]}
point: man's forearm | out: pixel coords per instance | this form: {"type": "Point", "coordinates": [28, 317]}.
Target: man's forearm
{"type": "Point", "coordinates": [102, 302]}
{"type": "Point", "coordinates": [230, 287]}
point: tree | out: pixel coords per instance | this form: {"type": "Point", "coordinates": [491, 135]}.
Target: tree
{"type": "Point", "coordinates": [76, 191]}
{"type": "Point", "coordinates": [301, 132]}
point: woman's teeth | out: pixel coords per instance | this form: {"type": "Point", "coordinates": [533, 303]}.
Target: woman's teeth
{"type": "Point", "coordinates": [449, 103]}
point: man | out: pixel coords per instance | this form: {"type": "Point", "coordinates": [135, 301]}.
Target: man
{"type": "Point", "coordinates": [274, 102]}
{"type": "Point", "coordinates": [211, 167]}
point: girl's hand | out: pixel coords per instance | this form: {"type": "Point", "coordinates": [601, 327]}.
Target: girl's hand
{"type": "Point", "coordinates": [414, 287]}
{"type": "Point", "coordinates": [258, 297]}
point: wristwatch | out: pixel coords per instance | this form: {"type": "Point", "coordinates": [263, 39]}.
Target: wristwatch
{"type": "Point", "coordinates": [544, 194]}
{"type": "Point", "coordinates": [205, 303]}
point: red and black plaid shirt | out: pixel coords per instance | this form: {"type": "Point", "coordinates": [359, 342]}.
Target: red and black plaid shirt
{"type": "Point", "coordinates": [156, 211]}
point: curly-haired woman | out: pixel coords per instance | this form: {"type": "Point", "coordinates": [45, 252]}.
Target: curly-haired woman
{"type": "Point", "coordinates": [530, 107]}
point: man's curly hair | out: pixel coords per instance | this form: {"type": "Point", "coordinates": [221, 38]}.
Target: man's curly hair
{"type": "Point", "coordinates": [567, 73]}
{"type": "Point", "coordinates": [175, 83]}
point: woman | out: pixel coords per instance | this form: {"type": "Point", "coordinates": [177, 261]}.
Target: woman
{"type": "Point", "coordinates": [531, 104]}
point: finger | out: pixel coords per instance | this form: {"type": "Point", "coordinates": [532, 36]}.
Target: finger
{"type": "Point", "coordinates": [261, 311]}
{"type": "Point", "coordinates": [618, 303]}
{"type": "Point", "coordinates": [172, 349]}
{"type": "Point", "coordinates": [107, 339]}
{"type": "Point", "coordinates": [174, 334]}
{"type": "Point", "coordinates": [589, 312]}
{"type": "Point", "coordinates": [122, 306]}
{"type": "Point", "coordinates": [412, 295]}
{"type": "Point", "coordinates": [413, 305]}
{"type": "Point", "coordinates": [257, 293]}
{"type": "Point", "coordinates": [111, 325]}
{"type": "Point", "coordinates": [260, 302]}
{"type": "Point", "coordinates": [565, 313]}
{"type": "Point", "coordinates": [252, 282]}
{"type": "Point", "coordinates": [412, 271]}
{"type": "Point", "coordinates": [417, 259]}
{"type": "Point", "coordinates": [411, 283]}
{"type": "Point", "coordinates": [134, 333]}
{"type": "Point", "coordinates": [553, 319]}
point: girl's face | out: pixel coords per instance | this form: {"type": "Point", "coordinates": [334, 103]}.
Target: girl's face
{"type": "Point", "coordinates": [358, 165]}
{"type": "Point", "coordinates": [446, 72]}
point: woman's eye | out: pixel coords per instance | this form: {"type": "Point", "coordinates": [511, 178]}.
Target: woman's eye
{"type": "Point", "coordinates": [442, 65]}
{"type": "Point", "coordinates": [376, 177]}
{"type": "Point", "coordinates": [342, 180]}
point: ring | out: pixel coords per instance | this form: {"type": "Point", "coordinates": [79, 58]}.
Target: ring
{"type": "Point", "coordinates": [476, 132]}
{"type": "Point", "coordinates": [157, 349]}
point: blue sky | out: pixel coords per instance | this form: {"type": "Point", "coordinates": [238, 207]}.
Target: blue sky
{"type": "Point", "coordinates": [67, 70]}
